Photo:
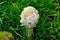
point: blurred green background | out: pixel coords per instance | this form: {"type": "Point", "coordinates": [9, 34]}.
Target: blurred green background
{"type": "Point", "coordinates": [48, 27]}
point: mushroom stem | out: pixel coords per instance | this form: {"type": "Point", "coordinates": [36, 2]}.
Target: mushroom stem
{"type": "Point", "coordinates": [29, 33]}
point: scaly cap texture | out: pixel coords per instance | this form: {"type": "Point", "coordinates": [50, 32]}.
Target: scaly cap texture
{"type": "Point", "coordinates": [29, 17]}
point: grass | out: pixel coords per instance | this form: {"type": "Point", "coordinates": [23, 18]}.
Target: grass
{"type": "Point", "coordinates": [48, 27]}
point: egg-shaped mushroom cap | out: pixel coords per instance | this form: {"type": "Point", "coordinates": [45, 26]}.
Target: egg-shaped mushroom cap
{"type": "Point", "coordinates": [29, 17]}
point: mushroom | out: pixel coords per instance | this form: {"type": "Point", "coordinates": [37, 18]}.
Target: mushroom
{"type": "Point", "coordinates": [29, 19]}
{"type": "Point", "coordinates": [5, 35]}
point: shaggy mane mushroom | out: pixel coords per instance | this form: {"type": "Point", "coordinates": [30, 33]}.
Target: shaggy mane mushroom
{"type": "Point", "coordinates": [29, 19]}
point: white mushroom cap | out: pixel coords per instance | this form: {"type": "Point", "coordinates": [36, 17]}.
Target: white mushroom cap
{"type": "Point", "coordinates": [29, 17]}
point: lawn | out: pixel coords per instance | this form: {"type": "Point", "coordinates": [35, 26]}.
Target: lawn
{"type": "Point", "coordinates": [48, 26]}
